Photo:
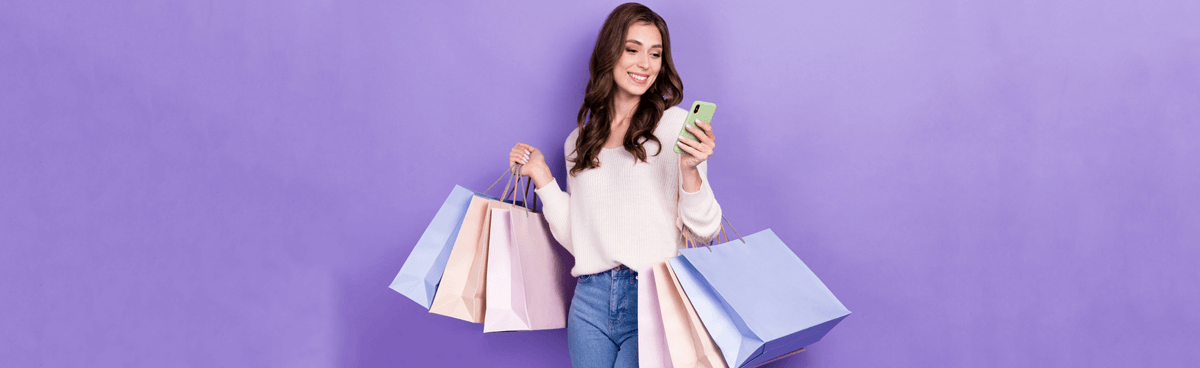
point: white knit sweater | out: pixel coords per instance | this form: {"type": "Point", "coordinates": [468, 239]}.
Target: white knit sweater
{"type": "Point", "coordinates": [627, 211]}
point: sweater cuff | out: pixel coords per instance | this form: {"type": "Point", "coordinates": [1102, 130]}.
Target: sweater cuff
{"type": "Point", "coordinates": [550, 192]}
{"type": "Point", "coordinates": [698, 200]}
{"type": "Point", "coordinates": [700, 212]}
{"type": "Point", "coordinates": [552, 197]}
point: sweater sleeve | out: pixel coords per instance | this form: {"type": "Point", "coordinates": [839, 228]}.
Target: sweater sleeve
{"type": "Point", "coordinates": [556, 204]}
{"type": "Point", "coordinates": [699, 210]}
{"type": "Point", "coordinates": [556, 207]}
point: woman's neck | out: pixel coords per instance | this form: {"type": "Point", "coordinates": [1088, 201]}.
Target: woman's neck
{"type": "Point", "coordinates": [624, 105]}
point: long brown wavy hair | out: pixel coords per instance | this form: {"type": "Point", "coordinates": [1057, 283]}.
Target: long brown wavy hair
{"type": "Point", "coordinates": [596, 114]}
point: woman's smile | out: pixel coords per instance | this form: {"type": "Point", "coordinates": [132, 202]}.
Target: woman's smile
{"type": "Point", "coordinates": [641, 59]}
{"type": "Point", "coordinates": [638, 78]}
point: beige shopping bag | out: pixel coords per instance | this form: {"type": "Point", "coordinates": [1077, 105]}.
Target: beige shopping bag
{"type": "Point", "coordinates": [461, 293]}
{"type": "Point", "coordinates": [687, 340]}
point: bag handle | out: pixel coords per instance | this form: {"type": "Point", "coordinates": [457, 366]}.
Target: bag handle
{"type": "Point", "coordinates": [735, 232]}
{"type": "Point", "coordinates": [525, 194]}
{"type": "Point", "coordinates": [510, 189]}
{"type": "Point", "coordinates": [502, 175]}
{"type": "Point", "coordinates": [690, 243]}
{"type": "Point", "coordinates": [514, 172]}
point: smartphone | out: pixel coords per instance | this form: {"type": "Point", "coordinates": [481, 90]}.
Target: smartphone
{"type": "Point", "coordinates": [700, 110]}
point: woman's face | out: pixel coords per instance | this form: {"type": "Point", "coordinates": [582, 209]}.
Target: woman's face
{"type": "Point", "coordinates": [640, 60]}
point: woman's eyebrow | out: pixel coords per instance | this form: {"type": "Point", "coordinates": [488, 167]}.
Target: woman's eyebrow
{"type": "Point", "coordinates": [640, 43]}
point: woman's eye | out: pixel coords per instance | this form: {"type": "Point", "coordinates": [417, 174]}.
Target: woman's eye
{"type": "Point", "coordinates": [655, 55]}
{"type": "Point", "coordinates": [630, 50]}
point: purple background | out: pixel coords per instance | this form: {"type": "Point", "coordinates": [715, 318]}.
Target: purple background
{"type": "Point", "coordinates": [230, 183]}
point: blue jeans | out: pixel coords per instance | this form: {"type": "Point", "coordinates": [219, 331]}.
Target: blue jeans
{"type": "Point", "coordinates": [602, 324]}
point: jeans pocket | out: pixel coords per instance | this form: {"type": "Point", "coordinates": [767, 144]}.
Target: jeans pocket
{"type": "Point", "coordinates": [586, 278]}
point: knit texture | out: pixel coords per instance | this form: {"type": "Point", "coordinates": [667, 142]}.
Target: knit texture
{"type": "Point", "coordinates": [627, 211]}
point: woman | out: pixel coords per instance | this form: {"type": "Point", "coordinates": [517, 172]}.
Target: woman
{"type": "Point", "coordinates": [631, 196]}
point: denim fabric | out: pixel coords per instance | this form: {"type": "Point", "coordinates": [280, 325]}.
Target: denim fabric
{"type": "Point", "coordinates": [602, 323]}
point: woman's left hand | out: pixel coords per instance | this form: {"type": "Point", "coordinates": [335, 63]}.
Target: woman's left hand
{"type": "Point", "coordinates": [697, 151]}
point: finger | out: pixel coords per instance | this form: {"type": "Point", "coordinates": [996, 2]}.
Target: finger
{"type": "Point", "coordinates": [518, 159]}
{"type": "Point", "coordinates": [690, 150]}
{"type": "Point", "coordinates": [522, 150]}
{"type": "Point", "coordinates": [703, 147]}
{"type": "Point", "coordinates": [709, 130]}
{"type": "Point", "coordinates": [693, 148]}
{"type": "Point", "coordinates": [688, 142]}
{"type": "Point", "coordinates": [700, 134]}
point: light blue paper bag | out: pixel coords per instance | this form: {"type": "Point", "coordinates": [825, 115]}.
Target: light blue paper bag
{"type": "Point", "coordinates": [421, 272]}
{"type": "Point", "coordinates": [756, 298]}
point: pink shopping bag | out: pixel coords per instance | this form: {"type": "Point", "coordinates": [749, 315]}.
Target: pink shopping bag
{"type": "Point", "coordinates": [652, 339]}
{"type": "Point", "coordinates": [528, 276]}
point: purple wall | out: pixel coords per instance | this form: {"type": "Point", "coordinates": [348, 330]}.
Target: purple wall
{"type": "Point", "coordinates": [218, 184]}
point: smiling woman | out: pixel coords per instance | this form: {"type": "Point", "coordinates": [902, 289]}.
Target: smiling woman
{"type": "Point", "coordinates": [632, 56]}
{"type": "Point", "coordinates": [630, 202]}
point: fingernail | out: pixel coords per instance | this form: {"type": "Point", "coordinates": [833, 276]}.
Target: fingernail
{"type": "Point", "coordinates": [698, 121]}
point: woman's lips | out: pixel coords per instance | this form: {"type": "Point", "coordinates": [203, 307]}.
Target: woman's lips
{"type": "Point", "coordinates": [638, 78]}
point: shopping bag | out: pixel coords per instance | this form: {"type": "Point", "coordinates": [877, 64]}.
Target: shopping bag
{"type": "Point", "coordinates": [652, 339]}
{"type": "Point", "coordinates": [461, 292]}
{"type": "Point", "coordinates": [528, 274]}
{"type": "Point", "coordinates": [687, 339]}
{"type": "Point", "coordinates": [756, 298]}
{"type": "Point", "coordinates": [504, 307]}
{"type": "Point", "coordinates": [422, 270]}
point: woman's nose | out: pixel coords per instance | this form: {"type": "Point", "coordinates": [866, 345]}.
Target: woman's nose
{"type": "Point", "coordinates": [644, 61]}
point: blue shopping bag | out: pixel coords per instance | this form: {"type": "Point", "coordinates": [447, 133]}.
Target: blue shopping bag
{"type": "Point", "coordinates": [757, 299]}
{"type": "Point", "coordinates": [422, 271]}
{"type": "Point", "coordinates": [419, 276]}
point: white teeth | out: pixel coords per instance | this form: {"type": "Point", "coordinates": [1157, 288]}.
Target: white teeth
{"type": "Point", "coordinates": [638, 77]}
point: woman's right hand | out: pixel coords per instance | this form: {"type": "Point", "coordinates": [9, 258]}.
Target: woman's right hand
{"type": "Point", "coordinates": [533, 164]}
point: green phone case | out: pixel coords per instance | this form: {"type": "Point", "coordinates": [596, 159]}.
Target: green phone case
{"type": "Point", "coordinates": [700, 110]}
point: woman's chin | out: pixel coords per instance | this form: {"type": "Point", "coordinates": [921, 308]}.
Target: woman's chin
{"type": "Point", "coordinates": [636, 91]}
